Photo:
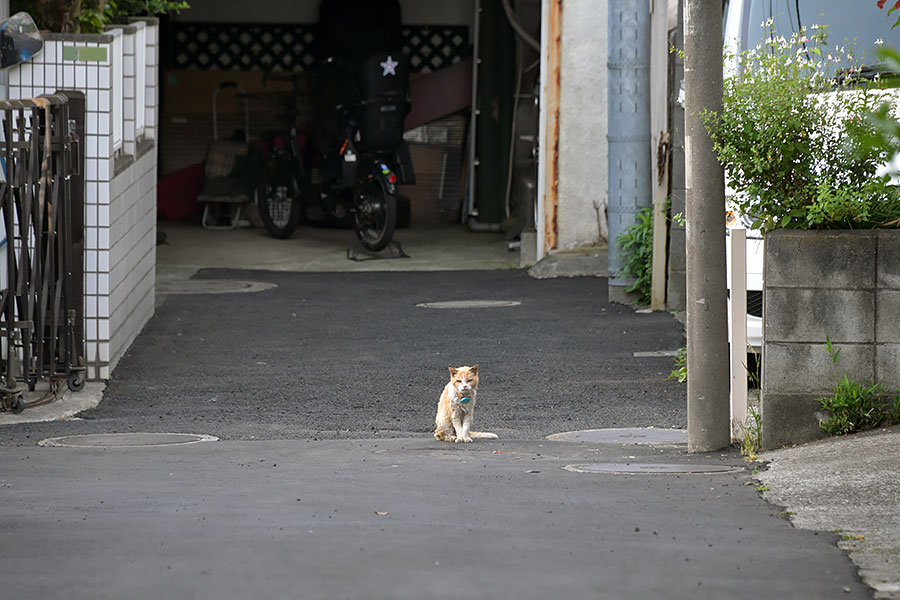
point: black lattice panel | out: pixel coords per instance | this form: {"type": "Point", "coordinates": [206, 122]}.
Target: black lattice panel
{"type": "Point", "coordinates": [266, 47]}
{"type": "Point", "coordinates": [238, 47]}
{"type": "Point", "coordinates": [431, 48]}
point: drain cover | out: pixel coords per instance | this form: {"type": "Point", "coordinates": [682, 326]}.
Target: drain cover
{"type": "Point", "coordinates": [650, 468]}
{"type": "Point", "coordinates": [127, 440]}
{"type": "Point", "coordinates": [470, 304]}
{"type": "Point", "coordinates": [211, 286]}
{"type": "Point", "coordinates": [647, 436]}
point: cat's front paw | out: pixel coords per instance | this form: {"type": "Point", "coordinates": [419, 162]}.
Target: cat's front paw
{"type": "Point", "coordinates": [464, 439]}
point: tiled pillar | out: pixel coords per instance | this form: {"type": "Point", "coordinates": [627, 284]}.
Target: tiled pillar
{"type": "Point", "coordinates": [120, 215]}
{"type": "Point", "coordinates": [134, 64]}
{"type": "Point", "coordinates": [85, 63]}
{"type": "Point", "coordinates": [151, 78]}
{"type": "Point", "coordinates": [129, 134]}
{"type": "Point", "coordinates": [118, 84]}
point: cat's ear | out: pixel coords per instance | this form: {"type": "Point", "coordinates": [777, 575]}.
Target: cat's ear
{"type": "Point", "coordinates": [474, 369]}
{"type": "Point", "coordinates": [453, 371]}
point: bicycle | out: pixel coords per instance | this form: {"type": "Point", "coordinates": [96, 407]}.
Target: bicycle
{"type": "Point", "coordinates": [283, 174]}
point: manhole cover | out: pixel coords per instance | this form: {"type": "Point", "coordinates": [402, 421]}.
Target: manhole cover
{"type": "Point", "coordinates": [470, 304]}
{"type": "Point", "coordinates": [648, 436]}
{"type": "Point", "coordinates": [127, 440]}
{"type": "Point", "coordinates": [638, 468]}
{"type": "Point", "coordinates": [211, 286]}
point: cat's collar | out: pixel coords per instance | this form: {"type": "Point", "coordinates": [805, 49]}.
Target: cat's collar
{"type": "Point", "coordinates": [463, 399]}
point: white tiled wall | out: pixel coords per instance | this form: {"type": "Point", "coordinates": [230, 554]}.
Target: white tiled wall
{"type": "Point", "coordinates": [120, 209]}
{"type": "Point", "coordinates": [131, 258]}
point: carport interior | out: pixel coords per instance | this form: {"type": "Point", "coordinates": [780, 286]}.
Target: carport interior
{"type": "Point", "coordinates": [272, 53]}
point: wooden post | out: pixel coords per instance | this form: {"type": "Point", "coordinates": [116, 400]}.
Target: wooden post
{"type": "Point", "coordinates": [659, 143]}
{"type": "Point", "coordinates": [548, 161]}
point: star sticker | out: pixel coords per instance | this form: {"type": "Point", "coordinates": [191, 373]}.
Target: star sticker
{"type": "Point", "coordinates": [389, 66]}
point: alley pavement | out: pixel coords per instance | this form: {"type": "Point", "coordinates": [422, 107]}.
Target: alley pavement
{"type": "Point", "coordinates": [325, 482]}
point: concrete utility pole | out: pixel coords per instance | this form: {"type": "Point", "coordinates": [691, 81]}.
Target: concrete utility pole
{"type": "Point", "coordinates": [709, 426]}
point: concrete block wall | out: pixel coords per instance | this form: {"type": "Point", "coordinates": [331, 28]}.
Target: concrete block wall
{"type": "Point", "coordinates": [120, 181]}
{"type": "Point", "coordinates": [838, 285]}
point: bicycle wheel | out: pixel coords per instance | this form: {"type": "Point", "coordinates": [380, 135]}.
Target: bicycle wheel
{"type": "Point", "coordinates": [279, 201]}
{"type": "Point", "coordinates": [376, 215]}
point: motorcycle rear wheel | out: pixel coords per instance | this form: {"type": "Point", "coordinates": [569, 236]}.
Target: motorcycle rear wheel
{"type": "Point", "coordinates": [279, 201]}
{"type": "Point", "coordinates": [376, 215]}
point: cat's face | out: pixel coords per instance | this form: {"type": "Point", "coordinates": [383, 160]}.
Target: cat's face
{"type": "Point", "coordinates": [464, 379]}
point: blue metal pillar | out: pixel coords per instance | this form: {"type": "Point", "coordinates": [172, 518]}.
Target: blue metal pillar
{"type": "Point", "coordinates": [630, 167]}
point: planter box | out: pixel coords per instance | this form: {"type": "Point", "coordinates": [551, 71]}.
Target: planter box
{"type": "Point", "coordinates": [844, 285]}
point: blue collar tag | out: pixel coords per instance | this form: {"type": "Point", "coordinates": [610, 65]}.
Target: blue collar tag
{"type": "Point", "coordinates": [464, 399]}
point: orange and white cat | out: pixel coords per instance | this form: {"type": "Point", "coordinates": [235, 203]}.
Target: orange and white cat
{"type": "Point", "coordinates": [456, 408]}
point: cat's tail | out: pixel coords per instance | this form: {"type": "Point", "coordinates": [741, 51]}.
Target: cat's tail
{"type": "Point", "coordinates": [484, 435]}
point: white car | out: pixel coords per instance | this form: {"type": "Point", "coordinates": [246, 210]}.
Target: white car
{"type": "Point", "coordinates": [754, 273]}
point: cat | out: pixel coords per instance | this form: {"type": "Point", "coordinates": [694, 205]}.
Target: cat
{"type": "Point", "coordinates": [456, 408]}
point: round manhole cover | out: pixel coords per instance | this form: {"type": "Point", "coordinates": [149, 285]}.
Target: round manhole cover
{"type": "Point", "coordinates": [127, 440]}
{"type": "Point", "coordinates": [648, 436]}
{"type": "Point", "coordinates": [638, 468]}
{"type": "Point", "coordinates": [211, 286]}
{"type": "Point", "coordinates": [469, 304]}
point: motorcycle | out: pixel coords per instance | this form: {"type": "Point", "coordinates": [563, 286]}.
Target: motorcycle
{"type": "Point", "coordinates": [359, 122]}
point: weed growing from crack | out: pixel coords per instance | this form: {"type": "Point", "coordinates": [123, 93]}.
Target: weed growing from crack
{"type": "Point", "coordinates": [856, 406]}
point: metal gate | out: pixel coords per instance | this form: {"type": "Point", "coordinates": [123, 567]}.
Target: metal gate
{"type": "Point", "coordinates": [41, 309]}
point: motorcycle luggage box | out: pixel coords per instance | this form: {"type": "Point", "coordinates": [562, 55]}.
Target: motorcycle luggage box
{"type": "Point", "coordinates": [383, 82]}
{"type": "Point", "coordinates": [384, 75]}
{"type": "Point", "coordinates": [381, 126]}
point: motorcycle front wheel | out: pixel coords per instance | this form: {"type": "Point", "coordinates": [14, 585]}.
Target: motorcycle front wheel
{"type": "Point", "coordinates": [376, 215]}
{"type": "Point", "coordinates": [279, 201]}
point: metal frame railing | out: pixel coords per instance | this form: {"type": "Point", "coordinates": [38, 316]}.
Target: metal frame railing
{"type": "Point", "coordinates": [41, 308]}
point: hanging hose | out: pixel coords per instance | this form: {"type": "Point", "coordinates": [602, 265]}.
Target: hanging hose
{"type": "Point", "coordinates": [512, 136]}
{"type": "Point", "coordinates": [514, 23]}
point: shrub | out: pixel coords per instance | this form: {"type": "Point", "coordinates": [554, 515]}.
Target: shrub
{"type": "Point", "coordinates": [636, 243]}
{"type": "Point", "coordinates": [789, 137]}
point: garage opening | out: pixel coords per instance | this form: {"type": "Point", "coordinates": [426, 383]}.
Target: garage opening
{"type": "Point", "coordinates": [236, 78]}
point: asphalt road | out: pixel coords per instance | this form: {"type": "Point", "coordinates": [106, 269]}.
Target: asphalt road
{"type": "Point", "coordinates": [351, 355]}
{"type": "Point", "coordinates": [327, 484]}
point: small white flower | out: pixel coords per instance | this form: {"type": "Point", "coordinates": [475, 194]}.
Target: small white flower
{"type": "Point", "coordinates": [879, 42]}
